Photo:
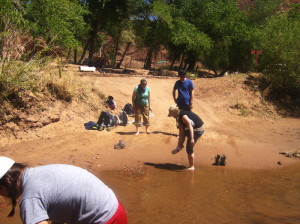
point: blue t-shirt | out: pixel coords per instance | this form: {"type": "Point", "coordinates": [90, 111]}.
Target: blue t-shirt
{"type": "Point", "coordinates": [65, 194]}
{"type": "Point", "coordinates": [142, 97]}
{"type": "Point", "coordinates": [184, 89]}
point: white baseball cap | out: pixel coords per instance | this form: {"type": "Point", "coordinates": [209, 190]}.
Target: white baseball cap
{"type": "Point", "coordinates": [5, 164]}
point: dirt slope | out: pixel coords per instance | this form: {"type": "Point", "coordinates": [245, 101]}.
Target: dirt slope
{"type": "Point", "coordinates": [237, 125]}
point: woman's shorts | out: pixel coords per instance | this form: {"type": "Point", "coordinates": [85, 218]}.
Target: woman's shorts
{"type": "Point", "coordinates": [119, 217]}
{"type": "Point", "coordinates": [197, 135]}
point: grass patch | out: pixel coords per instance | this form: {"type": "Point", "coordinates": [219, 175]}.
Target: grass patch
{"type": "Point", "coordinates": [64, 84]}
{"type": "Point", "coordinates": [243, 110]}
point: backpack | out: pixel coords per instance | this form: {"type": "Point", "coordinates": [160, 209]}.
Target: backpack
{"type": "Point", "coordinates": [124, 118]}
{"type": "Point", "coordinates": [91, 125]}
{"type": "Point", "coordinates": [128, 109]}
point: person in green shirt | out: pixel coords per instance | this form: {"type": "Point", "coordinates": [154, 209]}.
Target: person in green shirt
{"type": "Point", "coordinates": [141, 105]}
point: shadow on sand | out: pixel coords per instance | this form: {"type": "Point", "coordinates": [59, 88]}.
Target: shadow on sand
{"type": "Point", "coordinates": [126, 133]}
{"type": "Point", "coordinates": [164, 133]}
{"type": "Point", "coordinates": [166, 166]}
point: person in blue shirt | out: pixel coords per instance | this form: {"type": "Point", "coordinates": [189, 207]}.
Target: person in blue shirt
{"type": "Point", "coordinates": [141, 105]}
{"type": "Point", "coordinates": [185, 89]}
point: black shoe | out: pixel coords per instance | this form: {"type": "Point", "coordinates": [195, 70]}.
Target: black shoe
{"type": "Point", "coordinates": [222, 161]}
{"type": "Point", "coordinates": [217, 160]}
{"type": "Point", "coordinates": [108, 128]}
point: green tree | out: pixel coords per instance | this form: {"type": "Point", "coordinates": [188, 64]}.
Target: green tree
{"type": "Point", "coordinates": [228, 28]}
{"type": "Point", "coordinates": [152, 27]}
{"type": "Point", "coordinates": [192, 42]}
{"type": "Point", "coordinates": [57, 21]}
{"type": "Point", "coordinates": [102, 12]}
{"type": "Point", "coordinates": [11, 22]}
{"type": "Point", "coordinates": [16, 75]}
{"type": "Point", "coordinates": [281, 52]}
{"type": "Point", "coordinates": [260, 10]}
{"type": "Point", "coordinates": [217, 34]}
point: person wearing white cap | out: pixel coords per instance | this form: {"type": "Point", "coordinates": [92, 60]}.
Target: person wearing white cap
{"type": "Point", "coordinates": [59, 193]}
{"type": "Point", "coordinates": [190, 125]}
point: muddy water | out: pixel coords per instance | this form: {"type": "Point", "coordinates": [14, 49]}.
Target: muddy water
{"type": "Point", "coordinates": [209, 195]}
{"type": "Point", "coordinates": [162, 193]}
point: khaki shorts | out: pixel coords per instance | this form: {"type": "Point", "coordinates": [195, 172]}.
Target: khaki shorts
{"type": "Point", "coordinates": [141, 111]}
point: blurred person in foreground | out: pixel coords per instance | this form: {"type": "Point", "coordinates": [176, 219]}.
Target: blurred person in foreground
{"type": "Point", "coordinates": [59, 193]}
{"type": "Point", "coordinates": [190, 125]}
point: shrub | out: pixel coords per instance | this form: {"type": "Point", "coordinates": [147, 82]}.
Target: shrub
{"type": "Point", "coordinates": [280, 59]}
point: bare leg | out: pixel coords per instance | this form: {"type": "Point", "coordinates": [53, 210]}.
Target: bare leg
{"type": "Point", "coordinates": [137, 130]}
{"type": "Point", "coordinates": [191, 161]}
{"type": "Point", "coordinates": [147, 131]}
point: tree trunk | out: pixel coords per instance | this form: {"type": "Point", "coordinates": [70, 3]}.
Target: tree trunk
{"type": "Point", "coordinates": [117, 46]}
{"type": "Point", "coordinates": [172, 62]}
{"type": "Point", "coordinates": [130, 62]}
{"type": "Point", "coordinates": [106, 59]}
{"type": "Point", "coordinates": [148, 61]}
{"type": "Point", "coordinates": [121, 60]}
{"type": "Point", "coordinates": [216, 73]}
{"type": "Point", "coordinates": [192, 64]}
{"type": "Point", "coordinates": [75, 56]}
{"type": "Point", "coordinates": [185, 66]}
{"type": "Point", "coordinates": [181, 62]}
{"type": "Point", "coordinates": [84, 51]}
{"type": "Point", "coordinates": [69, 52]}
{"type": "Point", "coordinates": [95, 31]}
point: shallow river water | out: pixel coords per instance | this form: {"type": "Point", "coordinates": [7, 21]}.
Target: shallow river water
{"type": "Point", "coordinates": [209, 195]}
{"type": "Point", "coordinates": [162, 193]}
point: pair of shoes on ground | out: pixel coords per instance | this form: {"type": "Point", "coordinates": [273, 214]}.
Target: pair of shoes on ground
{"type": "Point", "coordinates": [220, 160]}
{"type": "Point", "coordinates": [101, 128]}
{"type": "Point", "coordinates": [121, 145]}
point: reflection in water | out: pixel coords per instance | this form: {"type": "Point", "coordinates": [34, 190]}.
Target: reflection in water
{"type": "Point", "coordinates": [166, 194]}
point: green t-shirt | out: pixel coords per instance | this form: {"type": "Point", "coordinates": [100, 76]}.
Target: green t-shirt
{"type": "Point", "coordinates": [142, 97]}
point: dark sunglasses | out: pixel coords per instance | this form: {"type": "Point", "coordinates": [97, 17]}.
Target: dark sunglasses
{"type": "Point", "coordinates": [143, 84]}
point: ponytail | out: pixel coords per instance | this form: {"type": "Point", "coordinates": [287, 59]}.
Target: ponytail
{"type": "Point", "coordinates": [9, 182]}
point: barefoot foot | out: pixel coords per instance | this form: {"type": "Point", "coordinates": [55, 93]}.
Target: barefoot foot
{"type": "Point", "coordinates": [191, 168]}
